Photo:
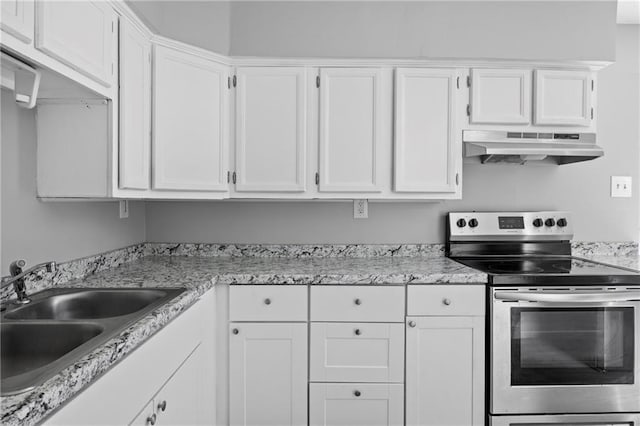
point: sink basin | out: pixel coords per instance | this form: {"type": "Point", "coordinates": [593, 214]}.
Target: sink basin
{"type": "Point", "coordinates": [88, 304]}
{"type": "Point", "coordinates": [31, 345]}
{"type": "Point", "coordinates": [60, 325]}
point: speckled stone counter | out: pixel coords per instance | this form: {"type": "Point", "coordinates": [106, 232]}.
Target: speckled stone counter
{"type": "Point", "coordinates": [629, 262]}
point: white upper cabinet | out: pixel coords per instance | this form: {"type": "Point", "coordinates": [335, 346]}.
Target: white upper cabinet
{"type": "Point", "coordinates": [500, 96]}
{"type": "Point", "coordinates": [563, 97]}
{"type": "Point", "coordinates": [350, 136]}
{"type": "Point", "coordinates": [427, 150]}
{"type": "Point", "coordinates": [271, 129]}
{"type": "Point", "coordinates": [190, 132]}
{"type": "Point", "coordinates": [17, 19]}
{"type": "Point", "coordinates": [135, 108]}
{"type": "Point", "coordinates": [81, 34]}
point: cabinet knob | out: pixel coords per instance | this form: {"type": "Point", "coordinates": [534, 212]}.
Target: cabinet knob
{"type": "Point", "coordinates": [357, 393]}
{"type": "Point", "coordinates": [162, 406]}
{"type": "Point", "coordinates": [358, 302]}
{"type": "Point", "coordinates": [235, 331]}
{"type": "Point", "coordinates": [151, 420]}
{"type": "Point", "coordinates": [358, 332]}
{"type": "Point", "coordinates": [412, 324]}
{"type": "Point", "coordinates": [267, 301]}
{"type": "Point", "coordinates": [446, 301]}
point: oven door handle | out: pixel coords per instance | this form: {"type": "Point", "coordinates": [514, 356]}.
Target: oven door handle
{"type": "Point", "coordinates": [595, 297]}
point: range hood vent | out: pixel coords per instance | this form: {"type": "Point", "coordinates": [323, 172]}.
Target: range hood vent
{"type": "Point", "coordinates": [524, 147]}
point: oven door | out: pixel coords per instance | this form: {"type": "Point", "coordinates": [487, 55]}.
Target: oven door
{"type": "Point", "coordinates": [565, 350]}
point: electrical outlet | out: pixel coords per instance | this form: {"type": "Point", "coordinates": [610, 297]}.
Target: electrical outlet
{"type": "Point", "coordinates": [124, 209]}
{"type": "Point", "coordinates": [621, 186]}
{"type": "Point", "coordinates": [360, 209]}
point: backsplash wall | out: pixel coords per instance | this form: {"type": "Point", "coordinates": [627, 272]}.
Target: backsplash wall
{"type": "Point", "coordinates": [582, 188]}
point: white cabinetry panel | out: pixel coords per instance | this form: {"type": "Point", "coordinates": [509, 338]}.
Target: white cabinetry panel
{"type": "Point", "coordinates": [271, 130]}
{"type": "Point", "coordinates": [445, 371]}
{"type": "Point", "coordinates": [189, 122]}
{"type": "Point", "coordinates": [350, 139]}
{"type": "Point", "coordinates": [426, 150]}
{"type": "Point", "coordinates": [355, 404]}
{"type": "Point", "coordinates": [563, 97]}
{"type": "Point", "coordinates": [17, 19]}
{"type": "Point", "coordinates": [500, 96]}
{"type": "Point", "coordinates": [268, 374]}
{"type": "Point", "coordinates": [82, 34]}
{"type": "Point", "coordinates": [135, 108]}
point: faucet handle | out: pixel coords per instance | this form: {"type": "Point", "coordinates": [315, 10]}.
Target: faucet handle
{"type": "Point", "coordinates": [16, 266]}
{"type": "Point", "coordinates": [52, 266]}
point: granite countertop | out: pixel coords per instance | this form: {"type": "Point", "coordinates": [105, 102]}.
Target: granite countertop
{"type": "Point", "coordinates": [199, 274]}
{"type": "Point", "coordinates": [629, 261]}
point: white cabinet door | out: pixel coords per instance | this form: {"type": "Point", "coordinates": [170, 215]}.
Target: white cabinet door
{"type": "Point", "coordinates": [145, 416]}
{"type": "Point", "coordinates": [357, 352]}
{"type": "Point", "coordinates": [500, 96]}
{"type": "Point", "coordinates": [271, 129]}
{"type": "Point", "coordinates": [563, 97]}
{"type": "Point", "coordinates": [268, 374]}
{"type": "Point", "coordinates": [355, 404]}
{"type": "Point", "coordinates": [189, 122]}
{"type": "Point", "coordinates": [17, 19]}
{"type": "Point", "coordinates": [350, 135]}
{"type": "Point", "coordinates": [82, 34]}
{"type": "Point", "coordinates": [135, 108]}
{"type": "Point", "coordinates": [445, 371]}
{"type": "Point", "coordinates": [426, 148]}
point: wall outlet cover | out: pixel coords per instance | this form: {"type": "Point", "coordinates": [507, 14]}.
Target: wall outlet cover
{"type": "Point", "coordinates": [621, 186]}
{"type": "Point", "coordinates": [360, 209]}
{"type": "Point", "coordinates": [124, 209]}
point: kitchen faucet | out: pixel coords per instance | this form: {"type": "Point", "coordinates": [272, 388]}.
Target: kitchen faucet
{"type": "Point", "coordinates": [18, 276]}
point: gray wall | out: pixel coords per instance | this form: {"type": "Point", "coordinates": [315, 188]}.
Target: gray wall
{"type": "Point", "coordinates": [464, 29]}
{"type": "Point", "coordinates": [37, 231]}
{"type": "Point", "coordinates": [204, 24]}
{"type": "Point", "coordinates": [582, 188]}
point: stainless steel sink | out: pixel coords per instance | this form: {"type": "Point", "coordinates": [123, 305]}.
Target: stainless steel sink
{"type": "Point", "coordinates": [60, 326]}
{"type": "Point", "coordinates": [88, 304]}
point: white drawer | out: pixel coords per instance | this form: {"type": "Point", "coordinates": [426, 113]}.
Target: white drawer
{"type": "Point", "coordinates": [357, 352]}
{"type": "Point", "coordinates": [443, 300]}
{"type": "Point", "coordinates": [357, 303]}
{"type": "Point", "coordinates": [356, 404]}
{"type": "Point", "coordinates": [268, 303]}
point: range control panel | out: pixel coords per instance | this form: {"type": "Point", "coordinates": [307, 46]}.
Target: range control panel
{"type": "Point", "coordinates": [478, 226]}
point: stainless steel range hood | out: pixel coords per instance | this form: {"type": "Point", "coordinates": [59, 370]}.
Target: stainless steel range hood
{"type": "Point", "coordinates": [524, 147]}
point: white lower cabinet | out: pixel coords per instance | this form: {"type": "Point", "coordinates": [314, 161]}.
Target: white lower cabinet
{"type": "Point", "coordinates": [356, 404]}
{"type": "Point", "coordinates": [268, 374]}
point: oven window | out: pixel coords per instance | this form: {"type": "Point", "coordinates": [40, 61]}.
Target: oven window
{"type": "Point", "coordinates": [572, 346]}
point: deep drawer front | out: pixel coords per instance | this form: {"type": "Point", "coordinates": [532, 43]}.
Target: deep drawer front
{"type": "Point", "coordinates": [268, 303]}
{"type": "Point", "coordinates": [357, 352]}
{"type": "Point", "coordinates": [357, 303]}
{"type": "Point", "coordinates": [356, 404]}
{"type": "Point", "coordinates": [444, 300]}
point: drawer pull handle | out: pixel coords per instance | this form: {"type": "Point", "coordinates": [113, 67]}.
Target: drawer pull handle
{"type": "Point", "coordinates": [447, 302]}
{"type": "Point", "coordinates": [267, 301]}
{"type": "Point", "coordinates": [357, 393]}
{"type": "Point", "coordinates": [162, 406]}
{"type": "Point", "coordinates": [235, 331]}
{"type": "Point", "coordinates": [151, 420]}
{"type": "Point", "coordinates": [358, 332]}
{"type": "Point", "coordinates": [358, 302]}
{"type": "Point", "coordinates": [412, 324]}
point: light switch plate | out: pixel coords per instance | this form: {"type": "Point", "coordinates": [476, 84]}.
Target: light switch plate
{"type": "Point", "coordinates": [360, 209]}
{"type": "Point", "coordinates": [124, 209]}
{"type": "Point", "coordinates": [621, 186]}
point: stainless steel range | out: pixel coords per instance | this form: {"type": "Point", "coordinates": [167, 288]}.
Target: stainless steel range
{"type": "Point", "coordinates": [564, 332]}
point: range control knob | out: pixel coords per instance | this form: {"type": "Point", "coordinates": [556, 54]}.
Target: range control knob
{"type": "Point", "coordinates": [538, 222]}
{"type": "Point", "coordinates": [562, 222]}
{"type": "Point", "coordinates": [550, 222]}
{"type": "Point", "coordinates": [461, 223]}
{"type": "Point", "coordinates": [473, 223]}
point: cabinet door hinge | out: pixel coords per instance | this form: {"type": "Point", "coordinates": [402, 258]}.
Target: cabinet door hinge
{"type": "Point", "coordinates": [469, 110]}
{"type": "Point", "coordinates": [235, 81]}
{"type": "Point", "coordinates": [593, 84]}
{"type": "Point", "coordinates": [457, 179]}
{"type": "Point", "coordinates": [468, 81]}
{"type": "Point", "coordinates": [458, 82]}
{"type": "Point", "coordinates": [317, 178]}
{"type": "Point", "coordinates": [228, 176]}
{"type": "Point", "coordinates": [592, 113]}
{"type": "Point", "coordinates": [318, 81]}
{"type": "Point", "coordinates": [234, 178]}
{"type": "Point", "coordinates": [229, 82]}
